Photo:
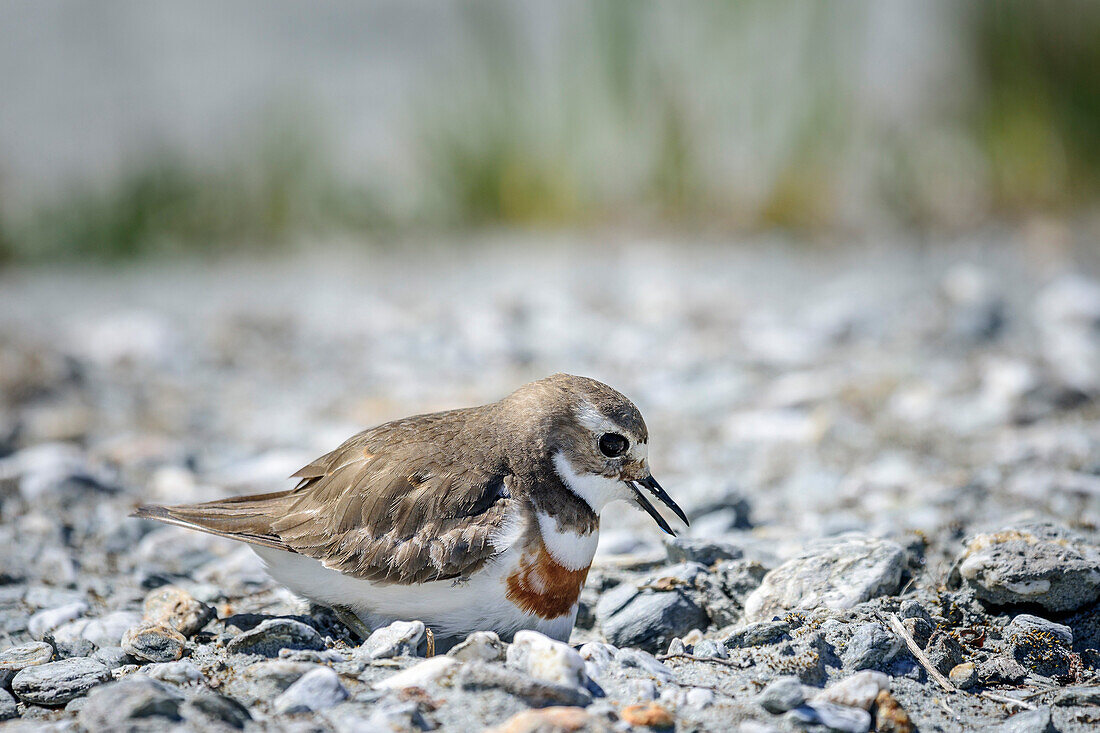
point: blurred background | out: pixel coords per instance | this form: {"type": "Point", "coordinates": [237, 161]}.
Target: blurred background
{"type": "Point", "coordinates": [842, 255]}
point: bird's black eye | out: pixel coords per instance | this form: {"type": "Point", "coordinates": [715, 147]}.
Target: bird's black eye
{"type": "Point", "coordinates": [613, 445]}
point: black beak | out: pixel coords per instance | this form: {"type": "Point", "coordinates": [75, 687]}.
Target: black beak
{"type": "Point", "coordinates": [654, 488]}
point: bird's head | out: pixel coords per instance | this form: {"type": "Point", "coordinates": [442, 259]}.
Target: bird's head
{"type": "Point", "coordinates": [596, 441]}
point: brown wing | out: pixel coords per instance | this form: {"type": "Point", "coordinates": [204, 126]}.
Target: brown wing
{"type": "Point", "coordinates": [396, 504]}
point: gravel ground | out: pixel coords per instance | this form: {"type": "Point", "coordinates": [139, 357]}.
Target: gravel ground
{"type": "Point", "coordinates": [891, 457]}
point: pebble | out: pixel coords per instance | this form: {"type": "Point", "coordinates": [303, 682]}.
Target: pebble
{"type": "Point", "coordinates": [173, 606]}
{"type": "Point", "coordinates": [421, 674]}
{"type": "Point", "coordinates": [1029, 721]}
{"type": "Point", "coordinates": [857, 691]}
{"type": "Point", "coordinates": [782, 694]}
{"type": "Point", "coordinates": [266, 680]}
{"type": "Point", "coordinates": [183, 672]}
{"type": "Point", "coordinates": [399, 639]}
{"type": "Point", "coordinates": [760, 633]}
{"type": "Point", "coordinates": [650, 715]}
{"type": "Point", "coordinates": [131, 702]}
{"type": "Point", "coordinates": [645, 662]}
{"type": "Point", "coordinates": [274, 635]}
{"type": "Point", "coordinates": [154, 642]}
{"type": "Point", "coordinates": [650, 620]}
{"type": "Point", "coordinates": [706, 552]}
{"type": "Point", "coordinates": [833, 717]}
{"type": "Point", "coordinates": [536, 692]}
{"type": "Point", "coordinates": [945, 652]}
{"type": "Point", "coordinates": [46, 621]}
{"type": "Point", "coordinates": [8, 707]}
{"type": "Point", "coordinates": [890, 716]}
{"type": "Point", "coordinates": [207, 711]}
{"type": "Point", "coordinates": [55, 683]}
{"type": "Point", "coordinates": [870, 647]}
{"type": "Point", "coordinates": [835, 574]}
{"type": "Point", "coordinates": [318, 689]}
{"type": "Point", "coordinates": [965, 675]}
{"type": "Point", "coordinates": [546, 659]}
{"type": "Point", "coordinates": [1041, 563]}
{"type": "Point", "coordinates": [1001, 669]}
{"type": "Point", "coordinates": [113, 656]}
{"type": "Point", "coordinates": [483, 645]}
{"type": "Point", "coordinates": [1026, 622]}
{"type": "Point", "coordinates": [709, 648]}
{"type": "Point", "coordinates": [20, 657]}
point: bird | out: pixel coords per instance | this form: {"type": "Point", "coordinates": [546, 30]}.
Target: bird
{"type": "Point", "coordinates": [480, 518]}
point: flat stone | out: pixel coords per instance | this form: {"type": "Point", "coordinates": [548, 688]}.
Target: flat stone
{"type": "Point", "coordinates": [113, 656]}
{"type": "Point", "coordinates": [836, 574]}
{"type": "Point", "coordinates": [154, 642]}
{"type": "Point", "coordinates": [318, 689]}
{"type": "Point", "coordinates": [129, 704]}
{"type": "Point", "coordinates": [483, 645]}
{"type": "Point", "coordinates": [173, 606]}
{"type": "Point", "coordinates": [546, 659]}
{"type": "Point", "coordinates": [759, 633]}
{"type": "Point", "coordinates": [399, 639]}
{"type": "Point", "coordinates": [1040, 563]}
{"type": "Point", "coordinates": [782, 694]}
{"type": "Point", "coordinates": [46, 621]}
{"type": "Point", "coordinates": [20, 657]}
{"type": "Point", "coordinates": [430, 671]}
{"type": "Point", "coordinates": [870, 647]}
{"type": "Point", "coordinates": [56, 683]}
{"type": "Point", "coordinates": [274, 635]}
{"type": "Point", "coordinates": [539, 693]}
{"type": "Point", "coordinates": [645, 662]}
{"type": "Point", "coordinates": [840, 718]}
{"type": "Point", "coordinates": [1075, 696]}
{"type": "Point", "coordinates": [650, 620]}
{"type": "Point", "coordinates": [1029, 721]}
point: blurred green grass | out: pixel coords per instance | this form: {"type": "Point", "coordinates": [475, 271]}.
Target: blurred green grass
{"type": "Point", "coordinates": [644, 114]}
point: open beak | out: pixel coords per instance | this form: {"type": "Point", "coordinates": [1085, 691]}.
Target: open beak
{"type": "Point", "coordinates": [654, 488]}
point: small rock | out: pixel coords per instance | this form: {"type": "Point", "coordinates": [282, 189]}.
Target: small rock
{"type": "Point", "coordinates": [833, 717]}
{"type": "Point", "coordinates": [857, 691]}
{"type": "Point", "coordinates": [536, 692]}
{"type": "Point", "coordinates": [154, 642]}
{"type": "Point", "coordinates": [706, 552]}
{"type": "Point", "coordinates": [1001, 669]}
{"type": "Point", "coordinates": [1076, 696]}
{"type": "Point", "coordinates": [46, 621]}
{"type": "Point", "coordinates": [266, 680]}
{"type": "Point", "coordinates": [128, 703]}
{"type": "Point", "coordinates": [836, 574]}
{"type": "Point", "coordinates": [646, 662]}
{"type": "Point", "coordinates": [1041, 651]}
{"type": "Point", "coordinates": [919, 629]}
{"type": "Point", "coordinates": [782, 694]}
{"type": "Point", "coordinates": [8, 707]}
{"type": "Point", "coordinates": [316, 690]}
{"type": "Point", "coordinates": [1039, 563]}
{"type": "Point", "coordinates": [483, 645]}
{"type": "Point", "coordinates": [759, 633]}
{"type": "Point", "coordinates": [173, 606]}
{"type": "Point", "coordinates": [890, 716]}
{"type": "Point", "coordinates": [945, 652]}
{"type": "Point", "coordinates": [913, 609]}
{"type": "Point", "coordinates": [399, 639]}
{"type": "Point", "coordinates": [965, 675]}
{"type": "Point", "coordinates": [1029, 721]}
{"type": "Point", "coordinates": [676, 646]}
{"type": "Point", "coordinates": [419, 675]}
{"type": "Point", "coordinates": [274, 635]}
{"type": "Point", "coordinates": [870, 647]}
{"type": "Point", "coordinates": [710, 648]}
{"type": "Point", "coordinates": [20, 657]}
{"type": "Point", "coordinates": [651, 715]}
{"type": "Point", "coordinates": [108, 630]}
{"type": "Point", "coordinates": [56, 683]}
{"type": "Point", "coordinates": [113, 656]}
{"type": "Point", "coordinates": [73, 648]}
{"type": "Point", "coordinates": [206, 710]}
{"type": "Point", "coordinates": [545, 659]}
{"type": "Point", "coordinates": [650, 620]}
{"type": "Point", "coordinates": [1026, 622]}
{"type": "Point", "coordinates": [552, 720]}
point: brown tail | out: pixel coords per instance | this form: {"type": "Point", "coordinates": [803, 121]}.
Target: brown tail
{"type": "Point", "coordinates": [242, 518]}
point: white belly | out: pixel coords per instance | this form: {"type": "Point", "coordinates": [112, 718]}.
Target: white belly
{"type": "Point", "coordinates": [449, 608]}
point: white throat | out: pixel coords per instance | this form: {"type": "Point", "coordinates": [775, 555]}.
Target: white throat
{"type": "Point", "coordinates": [597, 491]}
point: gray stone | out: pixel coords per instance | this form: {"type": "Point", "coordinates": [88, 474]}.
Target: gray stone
{"type": "Point", "coordinates": [650, 620]}
{"type": "Point", "coordinates": [706, 552]}
{"type": "Point", "coordinates": [135, 703]}
{"type": "Point", "coordinates": [173, 606]}
{"type": "Point", "coordinates": [113, 656]}
{"type": "Point", "coordinates": [183, 672]}
{"type": "Point", "coordinates": [709, 648]}
{"type": "Point", "coordinates": [1041, 651]}
{"type": "Point", "coordinates": [274, 635]}
{"type": "Point", "coordinates": [55, 683]}
{"type": "Point", "coordinates": [399, 639]}
{"type": "Point", "coordinates": [546, 659]}
{"type": "Point", "coordinates": [20, 657]}
{"type": "Point", "coordinates": [832, 717]}
{"type": "Point", "coordinates": [266, 680]}
{"type": "Point", "coordinates": [46, 621]}
{"type": "Point", "coordinates": [8, 707]}
{"type": "Point", "coordinates": [73, 648]}
{"type": "Point", "coordinates": [858, 691]}
{"type": "Point", "coordinates": [1029, 721]}
{"type": "Point", "coordinates": [384, 715]}
{"type": "Point", "coordinates": [1039, 563]}
{"type": "Point", "coordinates": [154, 642]}
{"type": "Point", "coordinates": [535, 692]}
{"type": "Point", "coordinates": [207, 709]}
{"type": "Point", "coordinates": [318, 689]}
{"type": "Point", "coordinates": [483, 645]}
{"type": "Point", "coordinates": [760, 633]}
{"type": "Point", "coordinates": [782, 694]}
{"type": "Point", "coordinates": [945, 652]}
{"type": "Point", "coordinates": [645, 662]}
{"type": "Point", "coordinates": [913, 609]}
{"type": "Point", "coordinates": [965, 675]}
{"type": "Point", "coordinates": [1076, 696]}
{"type": "Point", "coordinates": [836, 573]}
{"type": "Point", "coordinates": [870, 647]}
{"type": "Point", "coordinates": [108, 630]}
{"type": "Point", "coordinates": [1026, 622]}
